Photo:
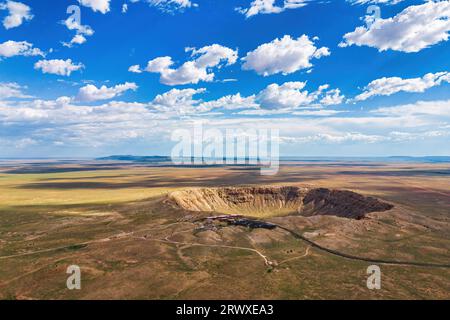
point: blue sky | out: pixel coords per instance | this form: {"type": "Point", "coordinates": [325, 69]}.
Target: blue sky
{"type": "Point", "coordinates": [332, 82]}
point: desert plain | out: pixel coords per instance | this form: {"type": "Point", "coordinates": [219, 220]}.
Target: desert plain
{"type": "Point", "coordinates": [121, 223]}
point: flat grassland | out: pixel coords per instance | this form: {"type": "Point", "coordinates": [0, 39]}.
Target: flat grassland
{"type": "Point", "coordinates": [114, 221]}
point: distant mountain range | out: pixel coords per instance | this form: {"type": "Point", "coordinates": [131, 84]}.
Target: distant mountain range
{"type": "Point", "coordinates": [136, 158]}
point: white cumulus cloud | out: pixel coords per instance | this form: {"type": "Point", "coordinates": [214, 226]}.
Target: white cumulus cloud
{"type": "Point", "coordinates": [11, 48]}
{"type": "Point", "coordinates": [17, 13]}
{"type": "Point", "coordinates": [332, 97]}
{"type": "Point", "coordinates": [287, 95]}
{"type": "Point", "coordinates": [178, 102]}
{"type": "Point", "coordinates": [91, 93]}
{"type": "Point", "coordinates": [232, 102]}
{"type": "Point", "coordinates": [412, 30]}
{"type": "Point", "coordinates": [77, 39]}
{"type": "Point", "coordinates": [291, 95]}
{"type": "Point", "coordinates": [182, 102]}
{"type": "Point", "coordinates": [270, 6]}
{"type": "Point", "coordinates": [58, 67]}
{"type": "Point", "coordinates": [135, 69]}
{"type": "Point", "coordinates": [388, 86]}
{"type": "Point", "coordinates": [194, 71]}
{"type": "Point", "coordinates": [97, 5]}
{"type": "Point", "coordinates": [285, 55]}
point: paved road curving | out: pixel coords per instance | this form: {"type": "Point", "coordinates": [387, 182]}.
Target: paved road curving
{"type": "Point", "coordinates": [352, 257]}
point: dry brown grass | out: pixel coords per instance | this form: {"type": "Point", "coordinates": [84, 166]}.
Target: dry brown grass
{"type": "Point", "coordinates": [136, 246]}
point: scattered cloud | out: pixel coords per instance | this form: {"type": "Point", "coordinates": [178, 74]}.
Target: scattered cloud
{"type": "Point", "coordinates": [421, 108]}
{"type": "Point", "coordinates": [387, 2]}
{"type": "Point", "coordinates": [304, 114]}
{"type": "Point", "coordinates": [232, 102]}
{"type": "Point", "coordinates": [318, 113]}
{"type": "Point", "coordinates": [191, 72]}
{"type": "Point", "coordinates": [102, 6]}
{"type": "Point", "coordinates": [412, 30]}
{"type": "Point", "coordinates": [270, 6]}
{"type": "Point", "coordinates": [389, 86]}
{"type": "Point", "coordinates": [332, 97]}
{"type": "Point", "coordinates": [58, 67]}
{"type": "Point", "coordinates": [90, 92]}
{"type": "Point", "coordinates": [77, 39]}
{"type": "Point", "coordinates": [178, 102]}
{"type": "Point", "coordinates": [287, 95]}
{"type": "Point", "coordinates": [64, 122]}
{"type": "Point", "coordinates": [11, 48]}
{"type": "Point", "coordinates": [168, 6]}
{"type": "Point", "coordinates": [274, 99]}
{"type": "Point", "coordinates": [17, 13]}
{"type": "Point", "coordinates": [285, 55]}
{"type": "Point", "coordinates": [334, 138]}
{"type": "Point", "coordinates": [12, 90]}
{"type": "Point", "coordinates": [291, 95]}
{"type": "Point", "coordinates": [135, 69]}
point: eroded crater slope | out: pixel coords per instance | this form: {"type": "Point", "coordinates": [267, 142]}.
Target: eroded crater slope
{"type": "Point", "coordinates": [278, 201]}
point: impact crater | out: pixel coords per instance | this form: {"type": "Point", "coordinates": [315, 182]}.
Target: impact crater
{"type": "Point", "coordinates": [274, 201]}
